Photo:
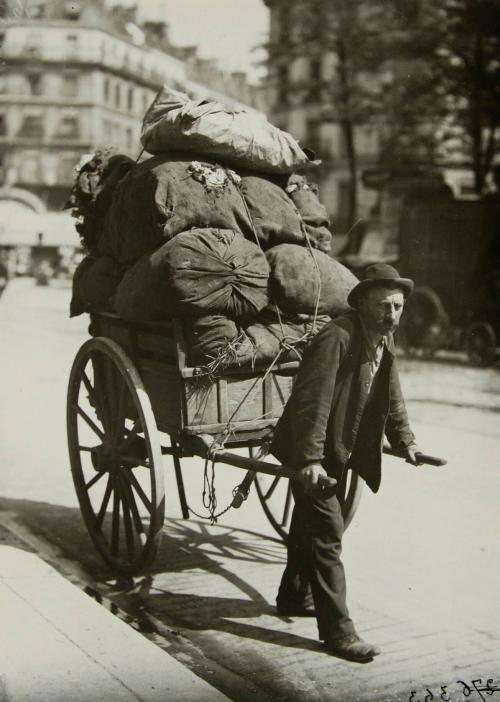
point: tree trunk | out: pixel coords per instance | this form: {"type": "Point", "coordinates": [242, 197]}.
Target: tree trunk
{"type": "Point", "coordinates": [347, 127]}
{"type": "Point", "coordinates": [476, 122]}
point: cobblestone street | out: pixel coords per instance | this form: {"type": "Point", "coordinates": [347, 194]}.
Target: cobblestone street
{"type": "Point", "coordinates": [422, 556]}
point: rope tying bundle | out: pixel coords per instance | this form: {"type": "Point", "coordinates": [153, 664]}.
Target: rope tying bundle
{"type": "Point", "coordinates": [287, 344]}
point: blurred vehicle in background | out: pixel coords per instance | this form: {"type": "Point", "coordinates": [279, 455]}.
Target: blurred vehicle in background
{"type": "Point", "coordinates": [451, 248]}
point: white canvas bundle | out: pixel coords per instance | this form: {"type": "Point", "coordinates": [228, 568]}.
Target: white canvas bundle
{"type": "Point", "coordinates": [174, 122]}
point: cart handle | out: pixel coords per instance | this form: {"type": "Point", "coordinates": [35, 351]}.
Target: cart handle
{"type": "Point", "coordinates": [422, 457]}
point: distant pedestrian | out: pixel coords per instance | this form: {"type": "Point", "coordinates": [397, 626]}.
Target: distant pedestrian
{"type": "Point", "coordinates": [346, 396]}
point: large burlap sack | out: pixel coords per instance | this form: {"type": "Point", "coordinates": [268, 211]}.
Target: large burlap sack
{"type": "Point", "coordinates": [304, 196]}
{"type": "Point", "coordinates": [274, 215]}
{"type": "Point", "coordinates": [94, 283]}
{"type": "Point", "coordinates": [295, 280]}
{"type": "Point", "coordinates": [199, 272]}
{"type": "Point", "coordinates": [242, 139]}
{"type": "Point", "coordinates": [166, 195]}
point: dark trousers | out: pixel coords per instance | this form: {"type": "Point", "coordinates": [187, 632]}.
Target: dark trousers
{"type": "Point", "coordinates": [314, 565]}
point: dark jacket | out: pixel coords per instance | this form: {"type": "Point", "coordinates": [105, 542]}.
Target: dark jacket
{"type": "Point", "coordinates": [331, 418]}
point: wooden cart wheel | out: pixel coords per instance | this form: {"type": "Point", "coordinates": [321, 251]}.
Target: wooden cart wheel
{"type": "Point", "coordinates": [115, 456]}
{"type": "Point", "coordinates": [481, 344]}
{"type": "Point", "coordinates": [275, 495]}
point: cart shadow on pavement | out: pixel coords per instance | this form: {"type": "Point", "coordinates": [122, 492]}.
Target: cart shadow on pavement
{"type": "Point", "coordinates": [213, 556]}
{"type": "Point", "coordinates": [216, 556]}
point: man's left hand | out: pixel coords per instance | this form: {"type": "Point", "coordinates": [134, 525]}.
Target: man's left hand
{"type": "Point", "coordinates": [412, 455]}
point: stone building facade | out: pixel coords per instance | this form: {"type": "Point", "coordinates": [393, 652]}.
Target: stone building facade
{"type": "Point", "coordinates": [75, 76]}
{"type": "Point", "coordinates": [300, 102]}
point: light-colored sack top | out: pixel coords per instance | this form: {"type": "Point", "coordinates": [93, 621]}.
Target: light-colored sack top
{"type": "Point", "coordinates": [242, 139]}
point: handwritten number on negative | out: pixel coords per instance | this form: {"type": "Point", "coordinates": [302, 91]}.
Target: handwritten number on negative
{"type": "Point", "coordinates": [429, 696]}
{"type": "Point", "coordinates": [466, 691]}
{"type": "Point", "coordinates": [443, 693]}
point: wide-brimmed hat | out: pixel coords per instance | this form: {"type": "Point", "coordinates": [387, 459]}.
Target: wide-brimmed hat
{"type": "Point", "coordinates": [382, 275]}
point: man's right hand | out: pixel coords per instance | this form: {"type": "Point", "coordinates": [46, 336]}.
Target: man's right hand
{"type": "Point", "coordinates": [316, 481]}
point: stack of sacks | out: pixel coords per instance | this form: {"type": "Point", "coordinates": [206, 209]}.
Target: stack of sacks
{"type": "Point", "coordinates": [219, 232]}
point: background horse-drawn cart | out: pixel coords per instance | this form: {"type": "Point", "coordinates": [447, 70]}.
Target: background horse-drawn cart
{"type": "Point", "coordinates": [452, 251]}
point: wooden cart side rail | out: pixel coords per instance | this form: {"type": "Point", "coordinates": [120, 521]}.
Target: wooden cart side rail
{"type": "Point", "coordinates": [147, 338]}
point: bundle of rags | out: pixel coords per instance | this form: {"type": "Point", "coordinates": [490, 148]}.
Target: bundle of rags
{"type": "Point", "coordinates": [217, 342]}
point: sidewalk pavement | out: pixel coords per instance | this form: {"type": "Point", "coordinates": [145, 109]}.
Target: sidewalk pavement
{"type": "Point", "coordinates": [57, 644]}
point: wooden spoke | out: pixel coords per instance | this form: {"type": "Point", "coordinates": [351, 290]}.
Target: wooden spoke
{"type": "Point", "coordinates": [105, 502]}
{"type": "Point", "coordinates": [115, 524]}
{"type": "Point", "coordinates": [127, 519]}
{"type": "Point", "coordinates": [129, 497]}
{"type": "Point", "coordinates": [94, 480]}
{"type": "Point", "coordinates": [86, 448]}
{"type": "Point", "coordinates": [100, 391]}
{"type": "Point", "coordinates": [288, 502]}
{"type": "Point", "coordinates": [272, 488]}
{"type": "Point", "coordinates": [133, 481]}
{"type": "Point", "coordinates": [119, 428]}
{"type": "Point", "coordinates": [89, 421]}
{"type": "Point", "coordinates": [92, 394]}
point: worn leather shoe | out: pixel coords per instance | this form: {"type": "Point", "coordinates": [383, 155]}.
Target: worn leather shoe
{"type": "Point", "coordinates": [352, 648]}
{"type": "Point", "coordinates": [288, 610]}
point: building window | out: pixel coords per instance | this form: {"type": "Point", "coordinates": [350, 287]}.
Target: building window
{"type": "Point", "coordinates": [37, 10]}
{"type": "Point", "coordinates": [3, 126]}
{"type": "Point", "coordinates": [35, 81]}
{"type": "Point", "coordinates": [66, 168]}
{"type": "Point", "coordinates": [72, 10]}
{"type": "Point", "coordinates": [282, 91]}
{"type": "Point", "coordinates": [130, 99]}
{"type": "Point", "coordinates": [284, 24]}
{"type": "Point", "coordinates": [118, 95]}
{"type": "Point", "coordinates": [106, 90]}
{"type": "Point", "coordinates": [33, 45]}
{"type": "Point", "coordinates": [68, 127]}
{"type": "Point", "coordinates": [315, 68]}
{"type": "Point", "coordinates": [313, 136]}
{"type": "Point", "coordinates": [72, 45]}
{"type": "Point", "coordinates": [107, 128]}
{"type": "Point", "coordinates": [69, 84]}
{"type": "Point", "coordinates": [407, 9]}
{"type": "Point", "coordinates": [32, 126]}
{"type": "Point", "coordinates": [29, 168]}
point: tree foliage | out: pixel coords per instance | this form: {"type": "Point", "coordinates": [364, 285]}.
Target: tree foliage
{"type": "Point", "coordinates": [469, 74]}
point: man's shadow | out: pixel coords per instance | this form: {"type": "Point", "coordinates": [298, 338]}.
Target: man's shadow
{"type": "Point", "coordinates": [193, 545]}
